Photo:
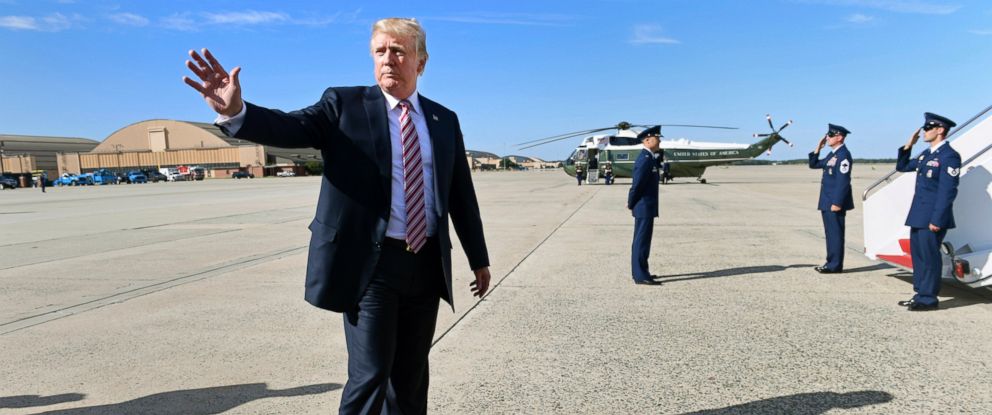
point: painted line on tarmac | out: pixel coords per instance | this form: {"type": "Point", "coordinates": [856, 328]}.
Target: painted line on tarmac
{"type": "Point", "coordinates": [238, 264]}
{"type": "Point", "coordinates": [505, 276]}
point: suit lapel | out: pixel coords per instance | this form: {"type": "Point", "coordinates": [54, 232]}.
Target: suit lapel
{"type": "Point", "coordinates": [375, 108]}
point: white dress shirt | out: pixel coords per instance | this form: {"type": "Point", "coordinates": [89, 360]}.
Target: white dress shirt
{"type": "Point", "coordinates": [396, 228]}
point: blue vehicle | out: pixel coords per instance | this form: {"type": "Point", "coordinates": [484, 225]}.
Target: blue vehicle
{"type": "Point", "coordinates": [136, 176]}
{"type": "Point", "coordinates": [66, 180]}
{"type": "Point", "coordinates": [85, 179]}
{"type": "Point", "coordinates": [104, 176]}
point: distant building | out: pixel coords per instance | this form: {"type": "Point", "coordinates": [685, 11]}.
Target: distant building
{"type": "Point", "coordinates": [154, 144]}
{"type": "Point", "coordinates": [27, 153]}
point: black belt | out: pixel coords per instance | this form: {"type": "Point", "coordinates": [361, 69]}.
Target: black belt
{"type": "Point", "coordinates": [401, 244]}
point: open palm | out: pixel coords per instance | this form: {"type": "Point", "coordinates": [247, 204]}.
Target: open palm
{"type": "Point", "coordinates": [221, 90]}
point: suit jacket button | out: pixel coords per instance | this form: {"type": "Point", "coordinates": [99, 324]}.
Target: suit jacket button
{"type": "Point", "coordinates": [378, 245]}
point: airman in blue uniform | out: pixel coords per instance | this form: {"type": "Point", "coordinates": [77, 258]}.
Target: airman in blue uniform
{"type": "Point", "coordinates": [642, 200]}
{"type": "Point", "coordinates": [930, 216]}
{"type": "Point", "coordinates": [835, 194]}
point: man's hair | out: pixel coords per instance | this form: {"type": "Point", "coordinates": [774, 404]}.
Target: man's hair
{"type": "Point", "coordinates": [403, 27]}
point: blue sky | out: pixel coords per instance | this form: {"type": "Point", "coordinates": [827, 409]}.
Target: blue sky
{"type": "Point", "coordinates": [518, 70]}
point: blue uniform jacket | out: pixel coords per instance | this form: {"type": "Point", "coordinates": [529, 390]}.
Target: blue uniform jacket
{"type": "Point", "coordinates": [937, 176]}
{"type": "Point", "coordinates": [643, 196]}
{"type": "Point", "coordinates": [835, 186]}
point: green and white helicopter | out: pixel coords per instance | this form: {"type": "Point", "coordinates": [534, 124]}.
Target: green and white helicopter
{"type": "Point", "coordinates": [684, 158]}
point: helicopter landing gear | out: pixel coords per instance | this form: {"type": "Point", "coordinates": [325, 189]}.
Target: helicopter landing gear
{"type": "Point", "coordinates": [701, 180]}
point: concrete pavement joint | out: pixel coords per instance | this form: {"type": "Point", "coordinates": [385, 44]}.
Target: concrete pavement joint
{"type": "Point", "coordinates": [510, 272]}
{"type": "Point", "coordinates": [26, 322]}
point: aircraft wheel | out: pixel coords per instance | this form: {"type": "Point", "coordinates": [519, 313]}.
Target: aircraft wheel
{"type": "Point", "coordinates": [703, 181]}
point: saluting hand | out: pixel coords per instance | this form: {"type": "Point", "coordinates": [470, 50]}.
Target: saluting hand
{"type": "Point", "coordinates": [819, 146]}
{"type": "Point", "coordinates": [481, 283]}
{"type": "Point", "coordinates": [221, 90]}
{"type": "Point", "coordinates": [912, 139]}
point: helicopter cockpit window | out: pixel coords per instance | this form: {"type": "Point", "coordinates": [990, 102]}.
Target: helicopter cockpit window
{"type": "Point", "coordinates": [624, 141]}
{"type": "Point", "coordinates": [571, 158]}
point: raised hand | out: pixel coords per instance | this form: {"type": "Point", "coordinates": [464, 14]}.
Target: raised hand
{"type": "Point", "coordinates": [912, 139]}
{"type": "Point", "coordinates": [221, 90]}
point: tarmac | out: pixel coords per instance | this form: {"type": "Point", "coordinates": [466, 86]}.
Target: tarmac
{"type": "Point", "coordinates": [187, 298]}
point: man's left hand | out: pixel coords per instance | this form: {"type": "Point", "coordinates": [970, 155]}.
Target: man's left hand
{"type": "Point", "coordinates": [934, 228]}
{"type": "Point", "coordinates": [834, 208]}
{"type": "Point", "coordinates": [481, 284]}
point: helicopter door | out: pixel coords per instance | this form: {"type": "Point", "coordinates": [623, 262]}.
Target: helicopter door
{"type": "Point", "coordinates": [593, 166]}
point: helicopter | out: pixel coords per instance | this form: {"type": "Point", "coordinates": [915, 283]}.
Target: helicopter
{"type": "Point", "coordinates": [684, 158]}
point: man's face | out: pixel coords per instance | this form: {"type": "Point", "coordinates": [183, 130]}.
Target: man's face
{"type": "Point", "coordinates": [652, 143]}
{"type": "Point", "coordinates": [397, 64]}
{"type": "Point", "coordinates": [835, 139]}
{"type": "Point", "coordinates": [932, 133]}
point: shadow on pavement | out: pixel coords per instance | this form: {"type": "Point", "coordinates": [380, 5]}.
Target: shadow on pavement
{"type": "Point", "coordinates": [804, 403]}
{"type": "Point", "coordinates": [731, 272]}
{"type": "Point", "coordinates": [201, 401]}
{"type": "Point", "coordinates": [29, 401]}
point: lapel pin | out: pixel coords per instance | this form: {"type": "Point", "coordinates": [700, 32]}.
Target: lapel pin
{"type": "Point", "coordinates": [435, 116]}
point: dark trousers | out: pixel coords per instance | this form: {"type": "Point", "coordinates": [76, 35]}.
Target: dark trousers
{"type": "Point", "coordinates": [924, 246]}
{"type": "Point", "coordinates": [389, 336]}
{"type": "Point", "coordinates": [833, 228]}
{"type": "Point", "coordinates": [641, 248]}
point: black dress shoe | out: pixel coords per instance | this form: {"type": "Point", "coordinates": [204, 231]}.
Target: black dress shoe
{"type": "Point", "coordinates": [921, 307]}
{"type": "Point", "coordinates": [824, 270]}
{"type": "Point", "coordinates": [647, 282]}
{"type": "Point", "coordinates": [906, 303]}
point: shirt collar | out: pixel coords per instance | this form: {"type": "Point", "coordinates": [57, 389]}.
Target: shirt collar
{"type": "Point", "coordinates": [838, 147]}
{"type": "Point", "coordinates": [392, 102]}
{"type": "Point", "coordinates": [934, 149]}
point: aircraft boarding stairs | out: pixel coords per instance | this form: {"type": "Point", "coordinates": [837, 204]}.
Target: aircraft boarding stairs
{"type": "Point", "coordinates": [887, 201]}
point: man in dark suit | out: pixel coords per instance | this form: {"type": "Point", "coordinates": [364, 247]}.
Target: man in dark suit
{"type": "Point", "coordinates": [938, 171]}
{"type": "Point", "coordinates": [835, 194]}
{"type": "Point", "coordinates": [642, 200]}
{"type": "Point", "coordinates": [380, 252]}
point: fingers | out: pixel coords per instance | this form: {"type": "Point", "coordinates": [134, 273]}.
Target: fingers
{"type": "Point", "coordinates": [202, 64]}
{"type": "Point", "coordinates": [214, 63]}
{"type": "Point", "coordinates": [196, 70]}
{"type": "Point", "coordinates": [196, 85]}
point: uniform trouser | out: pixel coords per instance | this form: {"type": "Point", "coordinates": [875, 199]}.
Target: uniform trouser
{"type": "Point", "coordinates": [833, 228]}
{"type": "Point", "coordinates": [641, 248]}
{"type": "Point", "coordinates": [389, 336]}
{"type": "Point", "coordinates": [924, 245]}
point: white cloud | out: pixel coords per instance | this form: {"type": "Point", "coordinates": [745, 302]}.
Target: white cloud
{"type": "Point", "coordinates": [899, 6]}
{"type": "Point", "coordinates": [986, 32]}
{"type": "Point", "coordinates": [516, 19]}
{"type": "Point", "coordinates": [651, 35]}
{"type": "Point", "coordinates": [249, 17]}
{"type": "Point", "coordinates": [180, 22]}
{"type": "Point", "coordinates": [859, 18]}
{"type": "Point", "coordinates": [129, 19]}
{"type": "Point", "coordinates": [52, 23]}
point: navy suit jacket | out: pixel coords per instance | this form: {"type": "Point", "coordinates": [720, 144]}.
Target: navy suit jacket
{"type": "Point", "coordinates": [835, 185]}
{"type": "Point", "coordinates": [937, 176]}
{"type": "Point", "coordinates": [643, 196]}
{"type": "Point", "coordinates": [349, 126]}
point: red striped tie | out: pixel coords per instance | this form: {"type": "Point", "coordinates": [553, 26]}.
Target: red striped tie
{"type": "Point", "coordinates": [413, 174]}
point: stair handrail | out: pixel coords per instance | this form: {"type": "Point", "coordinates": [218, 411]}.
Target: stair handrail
{"type": "Point", "coordinates": [864, 196]}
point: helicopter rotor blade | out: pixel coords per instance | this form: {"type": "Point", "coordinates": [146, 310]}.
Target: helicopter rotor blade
{"type": "Point", "coordinates": [785, 125]}
{"type": "Point", "coordinates": [554, 140]}
{"type": "Point", "coordinates": [761, 135]}
{"type": "Point", "coordinates": [566, 135]}
{"type": "Point", "coordinates": [686, 125]}
{"type": "Point", "coordinates": [769, 118]}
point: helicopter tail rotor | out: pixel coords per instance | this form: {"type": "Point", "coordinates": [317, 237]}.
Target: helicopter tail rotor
{"type": "Point", "coordinates": [776, 132]}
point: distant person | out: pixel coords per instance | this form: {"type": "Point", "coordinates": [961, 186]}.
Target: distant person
{"type": "Point", "coordinates": [380, 252]}
{"type": "Point", "coordinates": [43, 179]}
{"type": "Point", "coordinates": [608, 173]}
{"type": "Point", "coordinates": [835, 194]}
{"type": "Point", "coordinates": [580, 173]}
{"type": "Point", "coordinates": [642, 200]}
{"type": "Point", "coordinates": [938, 171]}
